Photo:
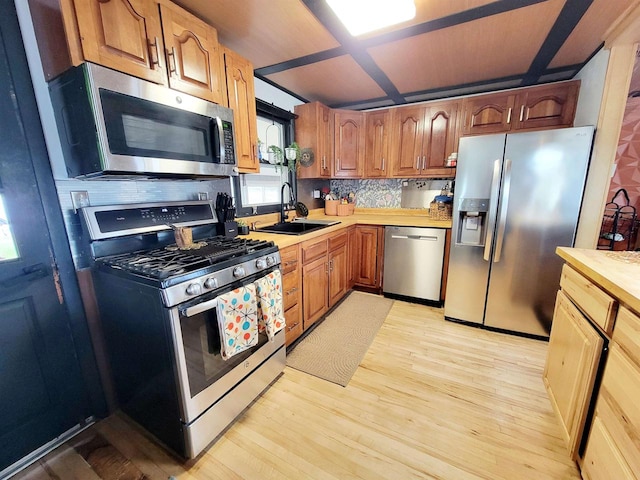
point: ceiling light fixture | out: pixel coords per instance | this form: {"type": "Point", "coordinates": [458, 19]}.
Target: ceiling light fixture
{"type": "Point", "coordinates": [362, 16]}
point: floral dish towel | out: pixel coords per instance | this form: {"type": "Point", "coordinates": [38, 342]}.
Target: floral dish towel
{"type": "Point", "coordinates": [238, 320]}
{"type": "Point", "coordinates": [270, 308]}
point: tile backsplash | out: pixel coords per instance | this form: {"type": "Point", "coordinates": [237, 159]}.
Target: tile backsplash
{"type": "Point", "coordinates": [383, 193]}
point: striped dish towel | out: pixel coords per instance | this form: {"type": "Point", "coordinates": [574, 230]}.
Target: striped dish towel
{"type": "Point", "coordinates": [270, 308]}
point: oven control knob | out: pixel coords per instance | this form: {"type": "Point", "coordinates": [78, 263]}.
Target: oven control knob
{"type": "Point", "coordinates": [239, 272]}
{"type": "Point", "coordinates": [271, 260]}
{"type": "Point", "coordinates": [194, 289]}
{"type": "Point", "coordinates": [211, 283]}
{"type": "Point", "coordinates": [261, 263]}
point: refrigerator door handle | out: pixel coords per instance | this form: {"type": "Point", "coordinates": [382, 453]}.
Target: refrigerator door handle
{"type": "Point", "coordinates": [493, 199]}
{"type": "Point", "coordinates": [504, 203]}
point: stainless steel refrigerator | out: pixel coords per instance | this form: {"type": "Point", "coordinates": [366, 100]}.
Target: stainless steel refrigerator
{"type": "Point", "coordinates": [517, 197]}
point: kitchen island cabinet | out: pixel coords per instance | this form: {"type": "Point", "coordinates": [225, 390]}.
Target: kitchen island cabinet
{"type": "Point", "coordinates": [605, 289]}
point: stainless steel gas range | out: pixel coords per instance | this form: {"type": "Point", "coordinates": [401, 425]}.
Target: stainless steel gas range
{"type": "Point", "coordinates": [158, 312]}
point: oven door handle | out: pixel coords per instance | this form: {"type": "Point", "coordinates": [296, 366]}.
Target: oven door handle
{"type": "Point", "coordinates": [199, 308]}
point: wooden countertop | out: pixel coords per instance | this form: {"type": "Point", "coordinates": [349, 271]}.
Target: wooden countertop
{"type": "Point", "coordinates": [395, 217]}
{"type": "Point", "coordinates": [610, 270]}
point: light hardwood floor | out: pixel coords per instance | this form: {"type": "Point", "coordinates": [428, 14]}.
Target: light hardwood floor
{"type": "Point", "coordinates": [431, 400]}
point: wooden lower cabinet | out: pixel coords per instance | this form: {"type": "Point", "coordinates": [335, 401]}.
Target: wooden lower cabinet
{"type": "Point", "coordinates": [291, 292]}
{"type": "Point", "coordinates": [613, 447]}
{"type": "Point", "coordinates": [571, 367]}
{"type": "Point", "coordinates": [315, 290]}
{"type": "Point", "coordinates": [325, 274]}
{"type": "Point", "coordinates": [369, 242]}
{"type": "Point", "coordinates": [338, 268]}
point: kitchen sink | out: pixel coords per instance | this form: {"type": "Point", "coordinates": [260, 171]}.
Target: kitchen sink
{"type": "Point", "coordinates": [297, 227]}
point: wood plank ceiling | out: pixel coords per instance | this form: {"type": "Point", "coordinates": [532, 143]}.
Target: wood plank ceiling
{"type": "Point", "coordinates": [451, 47]}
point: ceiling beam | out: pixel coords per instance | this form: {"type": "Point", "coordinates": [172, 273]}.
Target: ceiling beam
{"type": "Point", "coordinates": [327, 17]}
{"type": "Point", "coordinates": [570, 15]}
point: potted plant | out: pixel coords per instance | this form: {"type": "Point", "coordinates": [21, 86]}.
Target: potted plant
{"type": "Point", "coordinates": [292, 153]}
{"type": "Point", "coordinates": [275, 155]}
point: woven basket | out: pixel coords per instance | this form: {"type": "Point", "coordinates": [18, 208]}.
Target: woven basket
{"type": "Point", "coordinates": [440, 211]}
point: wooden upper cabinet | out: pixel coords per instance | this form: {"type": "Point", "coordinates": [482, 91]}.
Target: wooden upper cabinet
{"type": "Point", "coordinates": [193, 55]}
{"type": "Point", "coordinates": [348, 144]}
{"type": "Point", "coordinates": [406, 146]}
{"type": "Point", "coordinates": [441, 137]}
{"type": "Point", "coordinates": [125, 35]}
{"type": "Point", "coordinates": [547, 106]}
{"type": "Point", "coordinates": [377, 124]}
{"type": "Point", "coordinates": [314, 131]}
{"type": "Point", "coordinates": [424, 136]}
{"type": "Point", "coordinates": [242, 99]}
{"type": "Point", "coordinates": [488, 113]}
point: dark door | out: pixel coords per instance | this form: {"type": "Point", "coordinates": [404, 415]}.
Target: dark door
{"type": "Point", "coordinates": [43, 394]}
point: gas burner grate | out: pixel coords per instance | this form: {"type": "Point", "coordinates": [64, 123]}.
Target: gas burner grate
{"type": "Point", "coordinates": [170, 261]}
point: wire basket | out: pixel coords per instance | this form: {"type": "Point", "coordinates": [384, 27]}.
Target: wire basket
{"type": "Point", "coordinates": [440, 211]}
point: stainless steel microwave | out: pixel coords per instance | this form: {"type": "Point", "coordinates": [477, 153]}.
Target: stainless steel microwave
{"type": "Point", "coordinates": [113, 124]}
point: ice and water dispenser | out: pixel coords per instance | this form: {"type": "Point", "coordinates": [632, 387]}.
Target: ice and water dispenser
{"type": "Point", "coordinates": [472, 221]}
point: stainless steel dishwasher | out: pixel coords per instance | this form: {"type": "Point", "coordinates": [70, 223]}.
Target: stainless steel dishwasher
{"type": "Point", "coordinates": [413, 258]}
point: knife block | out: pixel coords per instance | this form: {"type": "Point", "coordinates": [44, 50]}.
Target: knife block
{"type": "Point", "coordinates": [227, 229]}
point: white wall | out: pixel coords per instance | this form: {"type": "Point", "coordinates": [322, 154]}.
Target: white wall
{"type": "Point", "coordinates": [592, 77]}
{"type": "Point", "coordinates": [270, 94]}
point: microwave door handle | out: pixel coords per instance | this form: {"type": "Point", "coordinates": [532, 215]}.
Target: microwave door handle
{"type": "Point", "coordinates": [223, 152]}
{"type": "Point", "coordinates": [200, 307]}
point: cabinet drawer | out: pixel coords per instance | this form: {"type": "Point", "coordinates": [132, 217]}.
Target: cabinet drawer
{"type": "Point", "coordinates": [594, 302]}
{"type": "Point", "coordinates": [313, 250]}
{"type": "Point", "coordinates": [293, 328]}
{"type": "Point", "coordinates": [290, 289]}
{"type": "Point", "coordinates": [627, 333]}
{"type": "Point", "coordinates": [618, 404]}
{"type": "Point", "coordinates": [337, 241]}
{"type": "Point", "coordinates": [289, 259]}
{"type": "Point", "coordinates": [602, 460]}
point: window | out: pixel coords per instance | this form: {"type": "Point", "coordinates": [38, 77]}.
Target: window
{"type": "Point", "coordinates": [8, 249]}
{"type": "Point", "coordinates": [258, 193]}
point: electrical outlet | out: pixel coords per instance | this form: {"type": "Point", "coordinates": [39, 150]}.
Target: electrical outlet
{"type": "Point", "coordinates": [79, 199]}
{"type": "Point", "coordinates": [316, 194]}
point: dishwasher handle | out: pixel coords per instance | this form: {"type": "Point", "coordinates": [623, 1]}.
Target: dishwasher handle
{"type": "Point", "coordinates": [430, 238]}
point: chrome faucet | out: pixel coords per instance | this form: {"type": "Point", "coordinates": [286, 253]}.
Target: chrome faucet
{"type": "Point", "coordinates": [283, 217]}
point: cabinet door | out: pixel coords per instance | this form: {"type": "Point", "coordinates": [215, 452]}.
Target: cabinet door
{"type": "Point", "coordinates": [406, 154]}
{"type": "Point", "coordinates": [368, 265]}
{"type": "Point", "coordinates": [348, 144]}
{"type": "Point", "coordinates": [338, 273]}
{"type": "Point", "coordinates": [602, 460]}
{"type": "Point", "coordinates": [440, 138]}
{"type": "Point", "coordinates": [487, 114]}
{"type": "Point", "coordinates": [569, 375]}
{"type": "Point", "coordinates": [293, 329]}
{"type": "Point", "coordinates": [314, 290]}
{"type": "Point", "coordinates": [314, 132]}
{"type": "Point", "coordinates": [547, 106]}
{"type": "Point", "coordinates": [242, 99]}
{"type": "Point", "coordinates": [193, 54]}
{"type": "Point", "coordinates": [352, 255]}
{"type": "Point", "coordinates": [124, 35]}
{"type": "Point", "coordinates": [376, 149]}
